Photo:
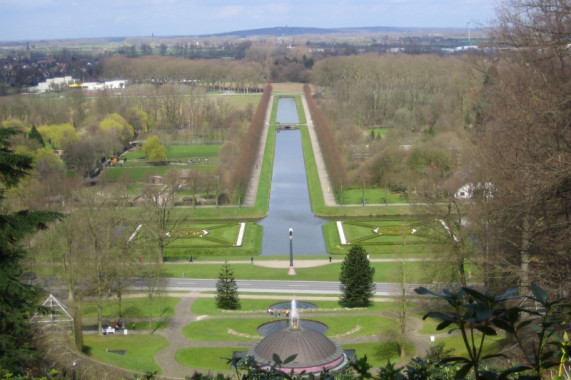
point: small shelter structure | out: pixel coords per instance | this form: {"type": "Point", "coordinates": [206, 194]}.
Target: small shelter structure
{"type": "Point", "coordinates": [53, 313]}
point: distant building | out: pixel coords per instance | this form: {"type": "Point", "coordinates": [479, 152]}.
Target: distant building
{"type": "Point", "coordinates": [156, 180]}
{"type": "Point", "coordinates": [57, 84]}
{"type": "Point", "coordinates": [52, 84]}
{"type": "Point", "coordinates": [460, 49]}
{"type": "Point", "coordinates": [471, 190]}
{"type": "Point", "coordinates": [108, 85]}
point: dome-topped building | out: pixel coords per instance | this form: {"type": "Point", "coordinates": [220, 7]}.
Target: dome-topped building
{"type": "Point", "coordinates": [315, 352]}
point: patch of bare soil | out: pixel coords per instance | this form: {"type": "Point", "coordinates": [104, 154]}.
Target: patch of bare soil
{"type": "Point", "coordinates": [287, 87]}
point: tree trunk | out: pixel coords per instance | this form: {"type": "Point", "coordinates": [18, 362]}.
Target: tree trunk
{"type": "Point", "coordinates": [99, 309]}
{"type": "Point", "coordinates": [77, 326]}
{"type": "Point", "coordinates": [161, 250]}
{"type": "Point", "coordinates": [462, 270]}
{"type": "Point", "coordinates": [403, 310]}
{"type": "Point", "coordinates": [524, 255]}
{"type": "Point", "coordinates": [150, 310]}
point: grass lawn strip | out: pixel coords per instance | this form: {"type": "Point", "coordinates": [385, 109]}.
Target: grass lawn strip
{"type": "Point", "coordinates": [207, 358]}
{"type": "Point", "coordinates": [207, 306]}
{"type": "Point", "coordinates": [245, 329]}
{"type": "Point", "coordinates": [384, 272]}
{"type": "Point", "coordinates": [139, 350]}
{"type": "Point", "coordinates": [137, 307]}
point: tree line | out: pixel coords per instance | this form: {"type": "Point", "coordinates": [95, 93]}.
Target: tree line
{"type": "Point", "coordinates": [494, 127]}
{"type": "Point", "coordinates": [327, 143]}
{"type": "Point", "coordinates": [249, 148]}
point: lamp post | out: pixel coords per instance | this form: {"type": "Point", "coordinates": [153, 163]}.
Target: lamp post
{"type": "Point", "coordinates": [73, 368]}
{"type": "Point", "coordinates": [291, 270]}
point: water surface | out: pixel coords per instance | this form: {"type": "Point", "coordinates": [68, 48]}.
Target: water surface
{"type": "Point", "coordinates": [289, 196]}
{"type": "Point", "coordinates": [289, 203]}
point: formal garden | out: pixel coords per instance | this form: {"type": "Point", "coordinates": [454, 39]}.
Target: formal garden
{"type": "Point", "coordinates": [372, 330]}
{"type": "Point", "coordinates": [208, 233]}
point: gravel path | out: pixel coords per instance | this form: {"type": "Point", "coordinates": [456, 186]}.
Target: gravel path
{"type": "Point", "coordinates": [328, 197]}
{"type": "Point", "coordinates": [173, 333]}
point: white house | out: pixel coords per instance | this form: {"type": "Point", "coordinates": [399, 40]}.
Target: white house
{"type": "Point", "coordinates": [467, 191]}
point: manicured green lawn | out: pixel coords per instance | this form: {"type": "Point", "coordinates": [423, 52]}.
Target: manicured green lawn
{"type": "Point", "coordinates": [384, 272]}
{"type": "Point", "coordinates": [139, 350]}
{"type": "Point", "coordinates": [135, 174]}
{"type": "Point", "coordinates": [492, 344]}
{"type": "Point", "coordinates": [246, 328]}
{"type": "Point", "coordinates": [205, 234]}
{"type": "Point", "coordinates": [131, 308]}
{"type": "Point", "coordinates": [176, 152]}
{"type": "Point", "coordinates": [381, 196]}
{"type": "Point", "coordinates": [359, 325]}
{"type": "Point", "coordinates": [207, 359]}
{"type": "Point", "coordinates": [216, 330]}
{"type": "Point", "coordinates": [215, 359]}
{"type": "Point", "coordinates": [219, 244]}
{"type": "Point", "coordinates": [385, 245]}
{"type": "Point", "coordinates": [239, 101]}
{"type": "Point", "coordinates": [207, 306]}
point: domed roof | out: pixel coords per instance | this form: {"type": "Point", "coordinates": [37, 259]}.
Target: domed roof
{"type": "Point", "coordinates": [313, 349]}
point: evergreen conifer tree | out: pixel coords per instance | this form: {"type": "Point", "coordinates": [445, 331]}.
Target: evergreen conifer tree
{"type": "Point", "coordinates": [357, 285]}
{"type": "Point", "coordinates": [227, 289]}
{"type": "Point", "coordinates": [18, 301]}
{"type": "Point", "coordinates": [35, 135]}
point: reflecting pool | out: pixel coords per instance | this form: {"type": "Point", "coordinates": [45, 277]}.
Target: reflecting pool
{"type": "Point", "coordinates": [287, 111]}
{"type": "Point", "coordinates": [289, 201]}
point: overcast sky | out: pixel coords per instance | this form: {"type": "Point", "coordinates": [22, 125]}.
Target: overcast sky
{"type": "Point", "coordinates": [55, 19]}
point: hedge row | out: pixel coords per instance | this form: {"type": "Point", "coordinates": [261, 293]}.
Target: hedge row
{"type": "Point", "coordinates": [249, 150]}
{"type": "Point", "coordinates": [327, 143]}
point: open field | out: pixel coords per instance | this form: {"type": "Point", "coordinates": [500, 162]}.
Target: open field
{"type": "Point", "coordinates": [240, 101]}
{"type": "Point", "coordinates": [287, 87]}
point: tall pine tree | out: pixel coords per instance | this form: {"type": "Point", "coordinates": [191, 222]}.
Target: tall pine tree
{"type": "Point", "coordinates": [18, 301]}
{"type": "Point", "coordinates": [35, 135]}
{"type": "Point", "coordinates": [356, 277]}
{"type": "Point", "coordinates": [227, 289]}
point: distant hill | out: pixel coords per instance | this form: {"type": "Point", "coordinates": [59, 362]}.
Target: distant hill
{"type": "Point", "coordinates": [284, 31]}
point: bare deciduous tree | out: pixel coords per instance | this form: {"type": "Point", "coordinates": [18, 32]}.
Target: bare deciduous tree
{"type": "Point", "coordinates": [526, 143]}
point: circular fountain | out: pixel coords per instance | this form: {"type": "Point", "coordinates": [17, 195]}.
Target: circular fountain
{"type": "Point", "coordinates": [314, 351]}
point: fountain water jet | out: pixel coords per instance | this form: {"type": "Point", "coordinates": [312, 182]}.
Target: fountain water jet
{"type": "Point", "coordinates": [293, 316]}
{"type": "Point", "coordinates": [314, 352]}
